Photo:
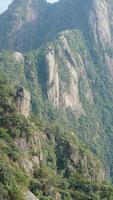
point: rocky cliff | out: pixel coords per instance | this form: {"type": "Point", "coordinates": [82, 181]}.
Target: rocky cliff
{"type": "Point", "coordinates": [91, 17]}
{"type": "Point", "coordinates": [64, 70]}
{"type": "Point", "coordinates": [24, 18]}
{"type": "Point", "coordinates": [100, 23]}
{"type": "Point", "coordinates": [40, 159]}
{"type": "Point", "coordinates": [56, 120]}
{"type": "Point", "coordinates": [23, 101]}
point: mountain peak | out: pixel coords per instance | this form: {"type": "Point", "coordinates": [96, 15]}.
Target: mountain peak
{"type": "Point", "coordinates": [34, 17]}
{"type": "Point", "coordinates": [28, 9]}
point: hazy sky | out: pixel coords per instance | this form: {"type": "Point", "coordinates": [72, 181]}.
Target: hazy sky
{"type": "Point", "coordinates": [4, 4]}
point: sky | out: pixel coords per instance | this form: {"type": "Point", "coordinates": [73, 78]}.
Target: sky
{"type": "Point", "coordinates": [4, 4]}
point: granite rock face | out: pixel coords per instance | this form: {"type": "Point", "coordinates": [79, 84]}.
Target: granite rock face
{"type": "Point", "coordinates": [18, 57]}
{"type": "Point", "coordinates": [65, 68]}
{"type": "Point", "coordinates": [58, 93]}
{"type": "Point", "coordinates": [33, 17]}
{"type": "Point", "coordinates": [99, 22]}
{"type": "Point", "coordinates": [23, 101]}
{"type": "Point", "coordinates": [30, 196]}
{"type": "Point", "coordinates": [69, 81]}
{"type": "Point", "coordinates": [53, 77]}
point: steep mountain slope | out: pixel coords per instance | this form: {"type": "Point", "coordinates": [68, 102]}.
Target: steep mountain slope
{"type": "Point", "coordinates": [41, 21]}
{"type": "Point", "coordinates": [67, 85]}
{"type": "Point", "coordinates": [44, 159]}
{"type": "Point", "coordinates": [34, 18]}
{"type": "Point", "coordinates": [59, 113]}
{"type": "Point", "coordinates": [19, 24]}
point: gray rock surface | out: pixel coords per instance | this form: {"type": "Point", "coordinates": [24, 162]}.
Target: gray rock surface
{"type": "Point", "coordinates": [99, 22]}
{"type": "Point", "coordinates": [30, 196]}
{"type": "Point", "coordinates": [23, 99]}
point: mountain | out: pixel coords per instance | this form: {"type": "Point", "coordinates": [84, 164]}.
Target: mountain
{"type": "Point", "coordinates": [22, 18]}
{"type": "Point", "coordinates": [41, 21]}
{"type": "Point", "coordinates": [56, 100]}
{"type": "Point", "coordinates": [42, 160]}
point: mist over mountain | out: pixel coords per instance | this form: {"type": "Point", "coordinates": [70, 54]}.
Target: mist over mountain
{"type": "Point", "coordinates": [56, 100]}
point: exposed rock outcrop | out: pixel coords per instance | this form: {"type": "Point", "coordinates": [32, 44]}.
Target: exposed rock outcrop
{"type": "Point", "coordinates": [30, 196]}
{"type": "Point", "coordinates": [53, 77]}
{"type": "Point", "coordinates": [60, 93]}
{"type": "Point", "coordinates": [64, 69]}
{"type": "Point", "coordinates": [23, 101]}
{"type": "Point", "coordinates": [18, 57]}
{"type": "Point", "coordinates": [99, 23]}
{"type": "Point", "coordinates": [28, 161]}
{"type": "Point", "coordinates": [70, 98]}
{"type": "Point", "coordinates": [23, 17]}
{"type": "Point", "coordinates": [83, 161]}
{"type": "Point", "coordinates": [26, 11]}
{"type": "Point", "coordinates": [27, 16]}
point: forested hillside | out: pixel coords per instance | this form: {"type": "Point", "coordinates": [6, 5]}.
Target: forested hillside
{"type": "Point", "coordinates": [56, 100]}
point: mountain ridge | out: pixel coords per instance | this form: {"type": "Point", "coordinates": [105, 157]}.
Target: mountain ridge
{"type": "Point", "coordinates": [52, 15]}
{"type": "Point", "coordinates": [58, 109]}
